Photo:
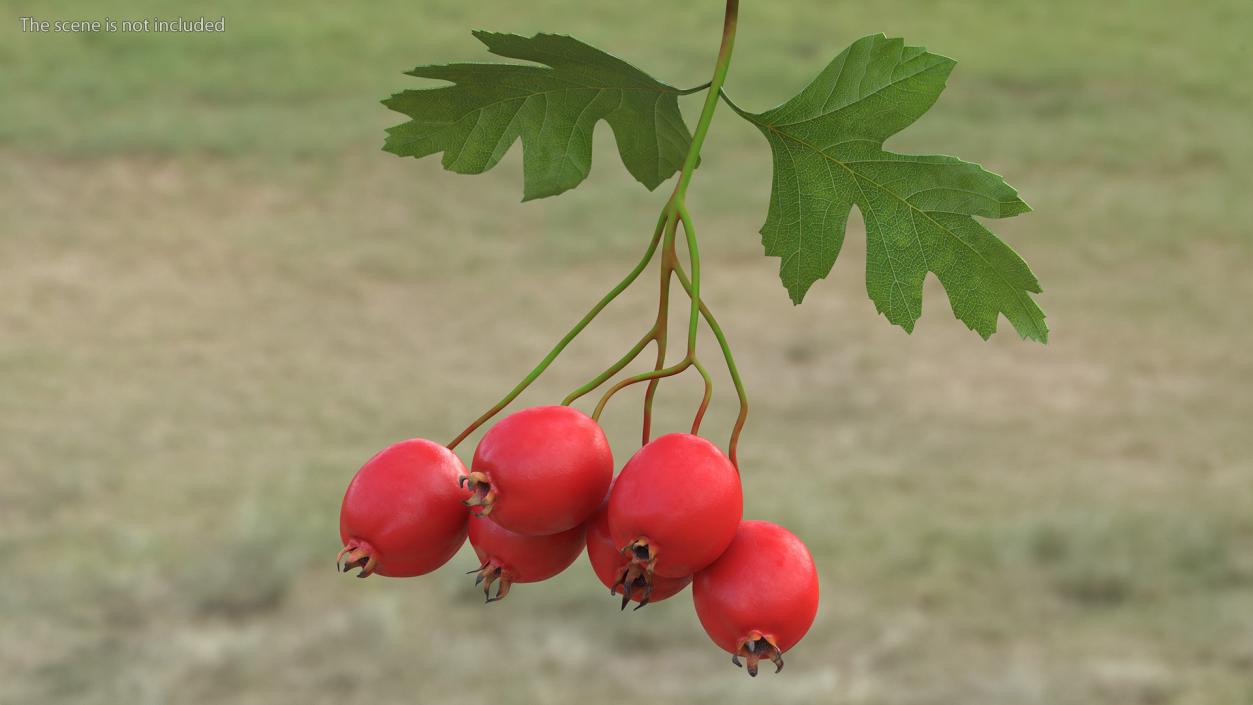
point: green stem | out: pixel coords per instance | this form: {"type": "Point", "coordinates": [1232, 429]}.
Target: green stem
{"type": "Point", "coordinates": [662, 326]}
{"type": "Point", "coordinates": [711, 99]}
{"type": "Point", "coordinates": [614, 369]}
{"type": "Point", "coordinates": [704, 402]}
{"type": "Point", "coordinates": [694, 293]}
{"type": "Point", "coordinates": [552, 355]}
{"type": "Point", "coordinates": [642, 377]}
{"type": "Point", "coordinates": [731, 368]}
{"type": "Point", "coordinates": [650, 394]}
{"type": "Point", "coordinates": [663, 223]}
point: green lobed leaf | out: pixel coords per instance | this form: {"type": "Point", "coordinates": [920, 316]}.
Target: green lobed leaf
{"type": "Point", "coordinates": [553, 108]}
{"type": "Point", "coordinates": [828, 157]}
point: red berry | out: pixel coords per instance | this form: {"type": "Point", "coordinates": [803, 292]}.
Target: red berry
{"type": "Point", "coordinates": [617, 571]}
{"type": "Point", "coordinates": [541, 470]}
{"type": "Point", "coordinates": [403, 514]}
{"type": "Point", "coordinates": [675, 506]}
{"type": "Point", "coordinates": [760, 597]}
{"type": "Point", "coordinates": [516, 558]}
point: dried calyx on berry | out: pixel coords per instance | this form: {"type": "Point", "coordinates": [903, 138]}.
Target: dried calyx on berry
{"type": "Point", "coordinates": [627, 572]}
{"type": "Point", "coordinates": [492, 572]}
{"type": "Point", "coordinates": [357, 554]}
{"type": "Point", "coordinates": [507, 557]}
{"type": "Point", "coordinates": [754, 648]}
{"type": "Point", "coordinates": [637, 574]}
{"type": "Point", "coordinates": [481, 493]}
{"type": "Point", "coordinates": [675, 506]}
{"type": "Point", "coordinates": [760, 598]}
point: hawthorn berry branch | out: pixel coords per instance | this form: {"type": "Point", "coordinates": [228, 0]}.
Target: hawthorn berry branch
{"type": "Point", "coordinates": [674, 212]}
{"type": "Point", "coordinates": [676, 208]}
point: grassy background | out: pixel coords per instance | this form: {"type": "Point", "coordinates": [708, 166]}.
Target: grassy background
{"type": "Point", "coordinates": [217, 297]}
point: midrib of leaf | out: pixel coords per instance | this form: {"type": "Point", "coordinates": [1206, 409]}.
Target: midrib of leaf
{"type": "Point", "coordinates": [836, 84]}
{"type": "Point", "coordinates": [1019, 295]}
{"type": "Point", "coordinates": [534, 94]}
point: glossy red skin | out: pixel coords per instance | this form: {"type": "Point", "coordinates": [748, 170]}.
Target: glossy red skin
{"type": "Point", "coordinates": [608, 562]}
{"type": "Point", "coordinates": [683, 495]}
{"type": "Point", "coordinates": [550, 467]}
{"type": "Point", "coordinates": [766, 581]}
{"type": "Point", "coordinates": [526, 559]}
{"type": "Point", "coordinates": [406, 505]}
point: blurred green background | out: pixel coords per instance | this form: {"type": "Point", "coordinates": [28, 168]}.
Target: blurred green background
{"type": "Point", "coordinates": [218, 297]}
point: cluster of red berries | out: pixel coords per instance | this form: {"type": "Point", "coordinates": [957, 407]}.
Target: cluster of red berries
{"type": "Point", "coordinates": [541, 487]}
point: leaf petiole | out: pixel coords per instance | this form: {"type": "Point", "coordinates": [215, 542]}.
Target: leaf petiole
{"type": "Point", "coordinates": [730, 103]}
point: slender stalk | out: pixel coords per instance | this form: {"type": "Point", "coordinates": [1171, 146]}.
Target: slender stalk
{"type": "Point", "coordinates": [731, 368]}
{"type": "Point", "coordinates": [704, 402]}
{"type": "Point", "coordinates": [650, 394]}
{"type": "Point", "coordinates": [731, 103]}
{"type": "Point", "coordinates": [662, 326]}
{"type": "Point", "coordinates": [694, 292]}
{"type": "Point", "coordinates": [612, 370]}
{"type": "Point", "coordinates": [663, 223]}
{"type": "Point", "coordinates": [552, 355]}
{"type": "Point", "coordinates": [642, 377]}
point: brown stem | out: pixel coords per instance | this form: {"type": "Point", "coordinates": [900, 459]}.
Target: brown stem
{"type": "Point", "coordinates": [661, 328]}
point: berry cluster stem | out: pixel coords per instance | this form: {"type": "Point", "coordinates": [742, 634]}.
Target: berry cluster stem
{"type": "Point", "coordinates": [673, 215]}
